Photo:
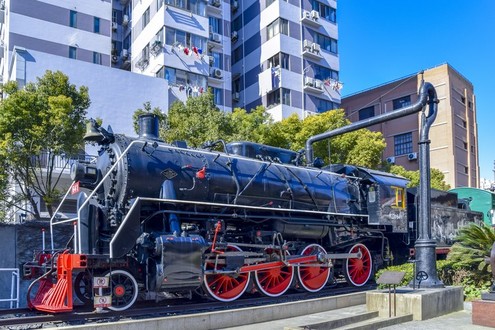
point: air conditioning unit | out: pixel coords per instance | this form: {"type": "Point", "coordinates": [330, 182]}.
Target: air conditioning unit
{"type": "Point", "coordinates": [307, 44]}
{"type": "Point", "coordinates": [125, 20]}
{"type": "Point", "coordinates": [216, 72]}
{"type": "Point", "coordinates": [235, 5]}
{"type": "Point", "coordinates": [315, 15]}
{"type": "Point", "coordinates": [125, 54]}
{"type": "Point", "coordinates": [234, 36]}
{"type": "Point", "coordinates": [318, 84]}
{"type": "Point", "coordinates": [216, 3]}
{"type": "Point", "coordinates": [216, 37]}
{"type": "Point", "coordinates": [114, 26]}
{"type": "Point", "coordinates": [115, 59]}
{"type": "Point", "coordinates": [412, 156]}
{"type": "Point", "coordinates": [391, 160]}
{"type": "Point", "coordinates": [315, 48]}
{"type": "Point", "coordinates": [236, 96]}
{"type": "Point", "coordinates": [306, 14]}
{"type": "Point", "coordinates": [308, 81]}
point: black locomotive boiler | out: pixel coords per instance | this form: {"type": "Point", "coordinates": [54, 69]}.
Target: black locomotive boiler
{"type": "Point", "coordinates": [164, 220]}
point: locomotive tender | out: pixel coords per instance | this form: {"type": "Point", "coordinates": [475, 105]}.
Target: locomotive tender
{"type": "Point", "coordinates": [165, 220]}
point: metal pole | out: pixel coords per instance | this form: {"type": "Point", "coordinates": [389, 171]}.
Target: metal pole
{"type": "Point", "coordinates": [425, 246]}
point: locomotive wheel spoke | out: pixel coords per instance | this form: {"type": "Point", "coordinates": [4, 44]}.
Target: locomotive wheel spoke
{"type": "Point", "coordinates": [313, 278]}
{"type": "Point", "coordinates": [124, 290]}
{"type": "Point", "coordinates": [225, 287]}
{"type": "Point", "coordinates": [274, 282]}
{"type": "Point", "coordinates": [358, 271]}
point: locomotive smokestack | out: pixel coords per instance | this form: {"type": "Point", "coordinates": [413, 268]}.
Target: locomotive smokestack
{"type": "Point", "coordinates": [148, 126]}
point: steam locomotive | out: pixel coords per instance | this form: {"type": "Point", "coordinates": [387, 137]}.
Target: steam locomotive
{"type": "Point", "coordinates": [166, 220]}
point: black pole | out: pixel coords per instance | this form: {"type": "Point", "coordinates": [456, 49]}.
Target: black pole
{"type": "Point", "coordinates": [425, 246]}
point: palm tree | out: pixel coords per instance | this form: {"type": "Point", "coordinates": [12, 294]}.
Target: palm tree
{"type": "Point", "coordinates": [473, 245]}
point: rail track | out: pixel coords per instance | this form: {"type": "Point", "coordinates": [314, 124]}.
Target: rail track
{"type": "Point", "coordinates": [26, 319]}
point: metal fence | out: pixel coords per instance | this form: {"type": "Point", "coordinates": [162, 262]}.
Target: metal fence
{"type": "Point", "coordinates": [14, 287]}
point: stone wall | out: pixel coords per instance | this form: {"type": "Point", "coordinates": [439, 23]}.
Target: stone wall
{"type": "Point", "coordinates": [19, 242]}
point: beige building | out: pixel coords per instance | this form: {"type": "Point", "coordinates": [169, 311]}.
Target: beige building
{"type": "Point", "coordinates": [454, 134]}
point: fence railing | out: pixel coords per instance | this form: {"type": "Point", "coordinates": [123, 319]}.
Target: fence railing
{"type": "Point", "coordinates": [59, 161]}
{"type": "Point", "coordinates": [14, 287]}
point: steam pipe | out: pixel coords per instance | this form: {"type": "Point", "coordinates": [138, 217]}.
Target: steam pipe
{"type": "Point", "coordinates": [426, 93]}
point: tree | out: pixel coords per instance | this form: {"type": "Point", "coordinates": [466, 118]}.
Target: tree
{"type": "Point", "coordinates": [196, 121]}
{"type": "Point", "coordinates": [436, 176]}
{"type": "Point", "coordinates": [361, 148]}
{"type": "Point", "coordinates": [41, 123]}
{"type": "Point", "coordinates": [162, 117]}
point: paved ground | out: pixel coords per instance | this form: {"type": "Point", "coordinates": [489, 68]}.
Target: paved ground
{"type": "Point", "coordinates": [459, 320]}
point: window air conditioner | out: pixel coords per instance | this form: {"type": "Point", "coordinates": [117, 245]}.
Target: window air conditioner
{"type": "Point", "coordinates": [235, 5]}
{"type": "Point", "coordinates": [216, 37]}
{"type": "Point", "coordinates": [318, 84]}
{"type": "Point", "coordinates": [115, 59]}
{"type": "Point", "coordinates": [216, 3]}
{"type": "Point", "coordinates": [216, 72]}
{"type": "Point", "coordinates": [315, 14]}
{"type": "Point", "coordinates": [308, 81]}
{"type": "Point", "coordinates": [412, 156]}
{"type": "Point", "coordinates": [391, 160]}
{"type": "Point", "coordinates": [125, 20]}
{"type": "Point", "coordinates": [307, 44]}
{"type": "Point", "coordinates": [234, 36]}
{"type": "Point", "coordinates": [114, 26]}
{"type": "Point", "coordinates": [315, 48]}
{"type": "Point", "coordinates": [306, 14]}
{"type": "Point", "coordinates": [125, 54]}
{"type": "Point", "coordinates": [236, 96]}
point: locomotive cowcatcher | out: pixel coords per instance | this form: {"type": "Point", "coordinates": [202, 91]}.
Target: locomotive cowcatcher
{"type": "Point", "coordinates": [164, 220]}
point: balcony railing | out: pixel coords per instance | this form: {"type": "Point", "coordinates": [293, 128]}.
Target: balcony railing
{"type": "Point", "coordinates": [60, 162]}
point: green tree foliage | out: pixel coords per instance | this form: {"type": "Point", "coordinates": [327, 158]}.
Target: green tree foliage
{"type": "Point", "coordinates": [162, 117]}
{"type": "Point", "coordinates": [362, 147]}
{"type": "Point", "coordinates": [473, 245]}
{"type": "Point", "coordinates": [436, 176]}
{"type": "Point", "coordinates": [196, 121]}
{"type": "Point", "coordinates": [39, 123]}
{"type": "Point", "coordinates": [249, 126]}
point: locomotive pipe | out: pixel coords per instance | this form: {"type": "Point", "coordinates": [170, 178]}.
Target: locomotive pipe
{"type": "Point", "coordinates": [426, 92]}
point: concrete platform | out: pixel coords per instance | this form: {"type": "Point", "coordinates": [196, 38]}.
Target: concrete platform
{"type": "Point", "coordinates": [423, 304]}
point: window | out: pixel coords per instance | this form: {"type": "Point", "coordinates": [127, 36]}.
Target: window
{"type": "Point", "coordinates": [236, 24]}
{"type": "Point", "coordinates": [463, 100]}
{"type": "Point", "coordinates": [465, 145]}
{"type": "Point", "coordinates": [464, 124]}
{"type": "Point", "coordinates": [73, 18]}
{"type": "Point", "coordinates": [96, 25]}
{"type": "Point", "coordinates": [197, 7]}
{"type": "Point", "coordinates": [472, 149]}
{"type": "Point", "coordinates": [114, 16]}
{"type": "Point", "coordinates": [367, 113]}
{"type": "Point", "coordinates": [269, 2]}
{"type": "Point", "coordinates": [72, 52]}
{"type": "Point", "coordinates": [146, 17]}
{"type": "Point", "coordinates": [159, 4]}
{"type": "Point", "coordinates": [402, 102]}
{"type": "Point", "coordinates": [186, 39]}
{"type": "Point", "coordinates": [273, 98]}
{"type": "Point", "coordinates": [280, 25]}
{"type": "Point", "coordinates": [237, 55]}
{"type": "Point", "coordinates": [236, 85]}
{"type": "Point", "coordinates": [403, 144]}
{"type": "Point", "coordinates": [324, 73]}
{"type": "Point", "coordinates": [324, 105]}
{"type": "Point", "coordinates": [96, 58]}
{"type": "Point", "coordinates": [180, 77]}
{"type": "Point", "coordinates": [280, 59]}
{"type": "Point", "coordinates": [466, 170]}
{"type": "Point", "coordinates": [325, 42]}
{"type": "Point", "coordinates": [325, 11]}
{"type": "Point", "coordinates": [285, 96]}
{"type": "Point", "coordinates": [217, 96]}
{"type": "Point", "coordinates": [217, 60]}
{"type": "Point", "coordinates": [215, 25]}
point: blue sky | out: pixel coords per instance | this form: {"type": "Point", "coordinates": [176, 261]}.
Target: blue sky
{"type": "Point", "coordinates": [380, 41]}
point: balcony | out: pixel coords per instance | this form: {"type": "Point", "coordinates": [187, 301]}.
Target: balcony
{"type": "Point", "coordinates": [142, 63]}
{"type": "Point", "coordinates": [214, 7]}
{"type": "Point", "coordinates": [311, 18]}
{"type": "Point", "coordinates": [311, 50]}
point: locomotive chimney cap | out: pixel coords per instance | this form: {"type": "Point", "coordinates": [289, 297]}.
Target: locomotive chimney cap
{"type": "Point", "coordinates": [148, 126]}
